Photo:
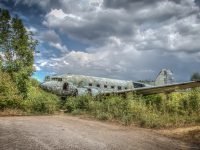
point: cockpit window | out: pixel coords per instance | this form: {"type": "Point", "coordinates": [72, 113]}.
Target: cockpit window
{"type": "Point", "coordinates": [47, 78]}
{"type": "Point", "coordinates": [57, 79]}
{"type": "Point", "coordinates": [65, 86]}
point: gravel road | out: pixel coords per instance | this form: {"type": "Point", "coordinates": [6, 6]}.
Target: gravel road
{"type": "Point", "coordinates": [67, 132]}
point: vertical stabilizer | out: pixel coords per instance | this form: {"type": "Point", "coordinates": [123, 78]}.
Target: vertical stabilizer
{"type": "Point", "coordinates": [164, 77]}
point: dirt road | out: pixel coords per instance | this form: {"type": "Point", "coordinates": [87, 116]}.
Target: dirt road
{"type": "Point", "coordinates": [66, 132]}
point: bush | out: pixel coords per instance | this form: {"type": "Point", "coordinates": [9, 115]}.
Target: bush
{"type": "Point", "coordinates": [37, 101]}
{"type": "Point", "coordinates": [155, 111]}
{"type": "Point", "coordinates": [80, 102]}
{"type": "Point", "coordinates": [9, 94]}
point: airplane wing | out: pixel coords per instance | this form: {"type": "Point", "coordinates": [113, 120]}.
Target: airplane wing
{"type": "Point", "coordinates": [161, 89]}
{"type": "Point", "coordinates": [167, 88]}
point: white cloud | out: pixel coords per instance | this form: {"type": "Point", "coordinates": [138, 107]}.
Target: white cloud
{"type": "Point", "coordinates": [42, 64]}
{"type": "Point", "coordinates": [60, 47]}
{"type": "Point", "coordinates": [37, 68]}
{"type": "Point", "coordinates": [31, 29]}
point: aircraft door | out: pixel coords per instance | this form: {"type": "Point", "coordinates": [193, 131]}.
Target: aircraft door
{"type": "Point", "coordinates": [66, 86]}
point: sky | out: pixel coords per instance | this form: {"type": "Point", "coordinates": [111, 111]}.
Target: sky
{"type": "Point", "coordinates": [122, 39]}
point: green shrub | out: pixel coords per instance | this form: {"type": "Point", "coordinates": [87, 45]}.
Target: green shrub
{"type": "Point", "coordinates": [39, 101]}
{"type": "Point", "coordinates": [9, 94]}
{"type": "Point", "coordinates": [80, 102]}
{"type": "Point", "coordinates": [155, 111]}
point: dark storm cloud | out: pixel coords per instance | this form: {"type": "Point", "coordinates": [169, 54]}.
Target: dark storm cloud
{"type": "Point", "coordinates": [41, 5]}
{"type": "Point", "coordinates": [132, 4]}
{"type": "Point", "coordinates": [197, 2]}
{"type": "Point", "coordinates": [127, 3]}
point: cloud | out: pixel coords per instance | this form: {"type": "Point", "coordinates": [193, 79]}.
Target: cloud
{"type": "Point", "coordinates": [42, 4]}
{"type": "Point", "coordinates": [37, 68]}
{"type": "Point", "coordinates": [62, 48]}
{"type": "Point", "coordinates": [127, 39]}
{"type": "Point", "coordinates": [54, 40]}
{"type": "Point", "coordinates": [32, 29]}
{"type": "Point", "coordinates": [50, 36]}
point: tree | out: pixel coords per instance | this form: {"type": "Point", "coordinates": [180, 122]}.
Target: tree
{"type": "Point", "coordinates": [195, 76]}
{"type": "Point", "coordinates": [18, 47]}
{"type": "Point", "coordinates": [5, 36]}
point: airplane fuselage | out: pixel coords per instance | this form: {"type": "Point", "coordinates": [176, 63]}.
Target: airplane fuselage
{"type": "Point", "coordinates": [72, 85]}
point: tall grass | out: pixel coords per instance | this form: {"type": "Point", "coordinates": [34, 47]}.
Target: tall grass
{"type": "Point", "coordinates": [161, 110]}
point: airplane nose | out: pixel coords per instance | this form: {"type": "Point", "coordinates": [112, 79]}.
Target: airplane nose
{"type": "Point", "coordinates": [43, 85]}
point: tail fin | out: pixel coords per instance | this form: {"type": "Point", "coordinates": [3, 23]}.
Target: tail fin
{"type": "Point", "coordinates": [165, 77]}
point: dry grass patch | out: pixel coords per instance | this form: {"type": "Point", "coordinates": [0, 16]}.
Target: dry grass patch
{"type": "Point", "coordinates": [11, 112]}
{"type": "Point", "coordinates": [188, 134]}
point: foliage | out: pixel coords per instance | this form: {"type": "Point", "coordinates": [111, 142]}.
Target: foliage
{"type": "Point", "coordinates": [17, 47]}
{"type": "Point", "coordinates": [195, 76]}
{"type": "Point", "coordinates": [17, 90]}
{"type": "Point", "coordinates": [160, 110]}
{"type": "Point", "coordinates": [9, 94]}
{"type": "Point", "coordinates": [37, 101]}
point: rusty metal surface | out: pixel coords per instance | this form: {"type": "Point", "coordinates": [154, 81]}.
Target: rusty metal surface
{"type": "Point", "coordinates": [80, 85]}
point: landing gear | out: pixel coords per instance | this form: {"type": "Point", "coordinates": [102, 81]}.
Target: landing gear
{"type": "Point", "coordinates": [75, 93]}
{"type": "Point", "coordinates": [63, 98]}
{"type": "Point", "coordinates": [89, 91]}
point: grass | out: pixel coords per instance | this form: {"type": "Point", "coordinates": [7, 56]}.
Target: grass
{"type": "Point", "coordinates": [154, 111]}
{"type": "Point", "coordinates": [188, 134]}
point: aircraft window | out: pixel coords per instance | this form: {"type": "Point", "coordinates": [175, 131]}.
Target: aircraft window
{"type": "Point", "coordinates": [105, 86]}
{"type": "Point", "coordinates": [112, 87]}
{"type": "Point", "coordinates": [98, 85]}
{"type": "Point", "coordinates": [65, 86]}
{"type": "Point", "coordinates": [119, 87]}
{"type": "Point", "coordinates": [138, 85]}
{"type": "Point", "coordinates": [125, 88]}
{"type": "Point", "coordinates": [90, 84]}
{"type": "Point", "coordinates": [59, 79]}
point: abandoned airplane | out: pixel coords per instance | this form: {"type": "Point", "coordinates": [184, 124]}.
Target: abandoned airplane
{"type": "Point", "coordinates": [73, 85]}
